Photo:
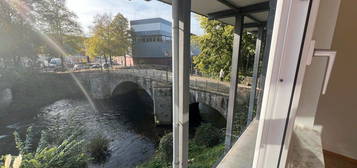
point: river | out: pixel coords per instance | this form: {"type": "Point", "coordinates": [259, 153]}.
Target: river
{"type": "Point", "coordinates": [127, 122]}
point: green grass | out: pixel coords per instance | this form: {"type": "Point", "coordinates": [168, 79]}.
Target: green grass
{"type": "Point", "coordinates": [199, 157]}
{"type": "Point", "coordinates": [204, 157]}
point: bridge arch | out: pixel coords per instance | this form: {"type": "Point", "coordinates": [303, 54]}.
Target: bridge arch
{"type": "Point", "coordinates": [125, 87]}
{"type": "Point", "coordinates": [133, 102]}
{"type": "Point", "coordinates": [215, 101]}
{"type": "Point", "coordinates": [130, 84]}
{"type": "Point", "coordinates": [200, 112]}
{"type": "Point", "coordinates": [108, 85]}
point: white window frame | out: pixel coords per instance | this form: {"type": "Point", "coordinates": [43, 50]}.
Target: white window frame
{"type": "Point", "coordinates": [281, 84]}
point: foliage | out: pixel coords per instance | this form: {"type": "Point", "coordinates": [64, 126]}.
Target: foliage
{"type": "Point", "coordinates": [155, 162]}
{"type": "Point", "coordinates": [201, 154]}
{"type": "Point", "coordinates": [10, 161]}
{"type": "Point", "coordinates": [93, 47]}
{"type": "Point", "coordinates": [199, 157]}
{"type": "Point", "coordinates": [111, 37]}
{"type": "Point", "coordinates": [202, 157]}
{"type": "Point", "coordinates": [207, 135]}
{"type": "Point", "coordinates": [98, 148]}
{"type": "Point", "coordinates": [26, 145]}
{"type": "Point", "coordinates": [98, 44]}
{"type": "Point", "coordinates": [216, 49]}
{"type": "Point", "coordinates": [22, 21]}
{"type": "Point", "coordinates": [240, 120]}
{"type": "Point", "coordinates": [60, 129]}
{"type": "Point", "coordinates": [165, 148]}
{"type": "Point", "coordinates": [68, 154]}
{"type": "Point", "coordinates": [163, 156]}
{"type": "Point", "coordinates": [74, 44]}
{"type": "Point", "coordinates": [121, 35]}
{"type": "Point", "coordinates": [57, 21]}
{"type": "Point", "coordinates": [18, 39]}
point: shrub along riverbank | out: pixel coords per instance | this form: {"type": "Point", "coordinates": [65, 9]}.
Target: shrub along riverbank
{"type": "Point", "coordinates": [57, 148]}
{"type": "Point", "coordinates": [205, 149]}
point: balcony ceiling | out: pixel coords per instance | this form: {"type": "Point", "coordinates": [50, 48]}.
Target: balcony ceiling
{"type": "Point", "coordinates": [255, 11]}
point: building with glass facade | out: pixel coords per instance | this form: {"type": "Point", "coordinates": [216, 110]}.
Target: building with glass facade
{"type": "Point", "coordinates": [151, 41]}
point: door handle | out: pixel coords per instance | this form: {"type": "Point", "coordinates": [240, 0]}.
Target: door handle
{"type": "Point", "coordinates": [330, 54]}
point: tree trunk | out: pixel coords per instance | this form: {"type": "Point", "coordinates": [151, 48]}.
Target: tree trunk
{"type": "Point", "coordinates": [106, 62]}
{"type": "Point", "coordinates": [62, 63]}
{"type": "Point", "coordinates": [105, 59]}
{"type": "Point", "coordinates": [110, 60]}
{"type": "Point", "coordinates": [124, 59]}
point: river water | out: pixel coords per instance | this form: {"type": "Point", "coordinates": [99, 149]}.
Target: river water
{"type": "Point", "coordinates": [125, 120]}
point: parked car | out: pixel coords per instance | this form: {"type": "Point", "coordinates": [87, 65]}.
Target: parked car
{"type": "Point", "coordinates": [95, 66]}
{"type": "Point", "coordinates": [54, 62]}
{"type": "Point", "coordinates": [78, 67]}
{"type": "Point", "coordinates": [105, 66]}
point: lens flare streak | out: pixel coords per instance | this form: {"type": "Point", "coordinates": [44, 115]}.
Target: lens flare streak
{"type": "Point", "coordinates": [25, 13]}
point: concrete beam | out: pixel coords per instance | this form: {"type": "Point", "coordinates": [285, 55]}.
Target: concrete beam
{"type": "Point", "coordinates": [235, 7]}
{"type": "Point", "coordinates": [181, 13]}
{"type": "Point", "coordinates": [232, 106]}
{"type": "Point", "coordinates": [252, 96]}
{"type": "Point", "coordinates": [235, 11]}
{"type": "Point", "coordinates": [269, 33]}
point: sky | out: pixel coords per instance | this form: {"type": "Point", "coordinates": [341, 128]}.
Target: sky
{"type": "Point", "coordinates": [131, 9]}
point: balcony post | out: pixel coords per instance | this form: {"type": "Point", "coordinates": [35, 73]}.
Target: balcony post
{"type": "Point", "coordinates": [268, 37]}
{"type": "Point", "coordinates": [252, 96]}
{"type": "Point", "coordinates": [181, 13]}
{"type": "Point", "coordinates": [232, 106]}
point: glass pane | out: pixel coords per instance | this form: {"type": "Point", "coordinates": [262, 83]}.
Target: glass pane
{"type": "Point", "coordinates": [252, 66]}
{"type": "Point", "coordinates": [100, 84]}
{"type": "Point", "coordinates": [90, 88]}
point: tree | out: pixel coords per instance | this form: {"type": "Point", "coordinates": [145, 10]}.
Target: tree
{"type": "Point", "coordinates": [94, 47]}
{"type": "Point", "coordinates": [19, 41]}
{"type": "Point", "coordinates": [121, 36]}
{"type": "Point", "coordinates": [216, 48]}
{"type": "Point", "coordinates": [67, 154]}
{"type": "Point", "coordinates": [74, 44]}
{"type": "Point", "coordinates": [19, 24]}
{"type": "Point", "coordinates": [100, 42]}
{"type": "Point", "coordinates": [109, 37]}
{"type": "Point", "coordinates": [57, 21]}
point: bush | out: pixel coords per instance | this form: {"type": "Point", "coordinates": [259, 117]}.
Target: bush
{"type": "Point", "coordinates": [98, 149]}
{"type": "Point", "coordinates": [165, 150]}
{"type": "Point", "coordinates": [207, 135]}
{"type": "Point", "coordinates": [199, 157]}
{"type": "Point", "coordinates": [69, 153]}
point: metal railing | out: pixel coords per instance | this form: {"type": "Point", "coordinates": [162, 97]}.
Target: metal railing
{"type": "Point", "coordinates": [165, 76]}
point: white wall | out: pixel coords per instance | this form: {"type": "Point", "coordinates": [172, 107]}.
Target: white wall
{"type": "Point", "coordinates": [337, 110]}
{"type": "Point", "coordinates": [311, 91]}
{"type": "Point", "coordinates": [151, 27]}
{"type": "Point", "coordinates": [314, 75]}
{"type": "Point", "coordinates": [146, 27]}
{"type": "Point", "coordinates": [325, 23]}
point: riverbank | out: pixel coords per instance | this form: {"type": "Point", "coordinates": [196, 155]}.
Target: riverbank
{"type": "Point", "coordinates": [40, 99]}
{"type": "Point", "coordinates": [199, 157]}
{"type": "Point", "coordinates": [33, 90]}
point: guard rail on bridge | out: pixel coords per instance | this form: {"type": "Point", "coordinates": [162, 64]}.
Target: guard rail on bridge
{"type": "Point", "coordinates": [165, 76]}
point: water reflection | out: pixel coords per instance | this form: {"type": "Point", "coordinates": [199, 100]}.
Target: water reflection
{"type": "Point", "coordinates": [131, 143]}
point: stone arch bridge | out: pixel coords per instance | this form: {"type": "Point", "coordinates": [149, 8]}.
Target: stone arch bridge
{"type": "Point", "coordinates": [157, 84]}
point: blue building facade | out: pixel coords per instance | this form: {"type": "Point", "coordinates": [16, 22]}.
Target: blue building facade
{"type": "Point", "coordinates": [151, 41]}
